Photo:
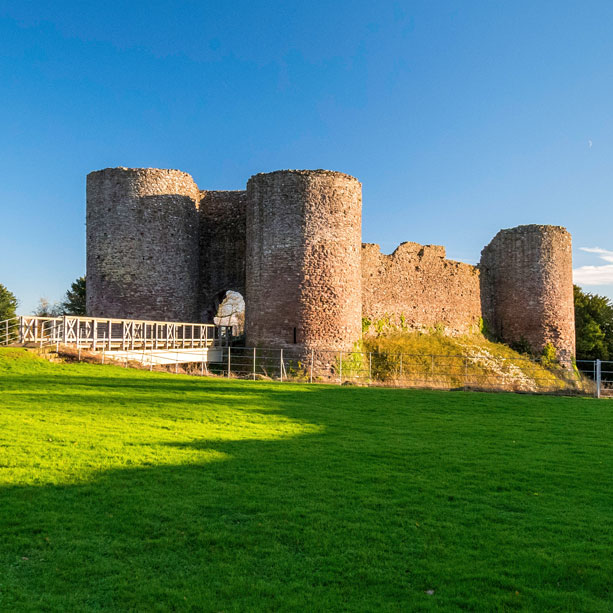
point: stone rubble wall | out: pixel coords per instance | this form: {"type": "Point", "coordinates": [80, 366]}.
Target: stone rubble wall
{"type": "Point", "coordinates": [527, 288]}
{"type": "Point", "coordinates": [303, 259]}
{"type": "Point", "coordinates": [158, 248]}
{"type": "Point", "coordinates": [142, 244]}
{"type": "Point", "coordinates": [222, 248]}
{"type": "Point", "coordinates": [417, 287]}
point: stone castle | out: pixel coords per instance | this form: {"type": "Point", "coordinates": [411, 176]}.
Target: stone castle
{"type": "Point", "coordinates": [159, 248]}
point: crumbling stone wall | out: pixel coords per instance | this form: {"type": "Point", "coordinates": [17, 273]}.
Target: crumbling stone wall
{"type": "Point", "coordinates": [158, 248]}
{"type": "Point", "coordinates": [527, 287]}
{"type": "Point", "coordinates": [303, 259]}
{"type": "Point", "coordinates": [142, 244]}
{"type": "Point", "coordinates": [418, 287]}
{"type": "Point", "coordinates": [222, 248]}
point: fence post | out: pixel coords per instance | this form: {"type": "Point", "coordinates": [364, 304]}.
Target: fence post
{"type": "Point", "coordinates": [370, 366]}
{"type": "Point", "coordinates": [340, 368]}
{"type": "Point", "coordinates": [254, 350]}
{"type": "Point", "coordinates": [281, 366]}
{"type": "Point", "coordinates": [311, 372]}
{"type": "Point", "coordinates": [229, 362]}
{"type": "Point", "coordinates": [598, 377]}
{"type": "Point", "coordinates": [7, 332]}
{"type": "Point", "coordinates": [465, 373]}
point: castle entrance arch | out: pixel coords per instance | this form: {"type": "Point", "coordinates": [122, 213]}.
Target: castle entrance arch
{"type": "Point", "coordinates": [230, 311]}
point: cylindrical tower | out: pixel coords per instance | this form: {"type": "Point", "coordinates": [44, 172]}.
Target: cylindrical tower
{"type": "Point", "coordinates": [303, 268]}
{"type": "Point", "coordinates": [142, 244]}
{"type": "Point", "coordinates": [527, 288]}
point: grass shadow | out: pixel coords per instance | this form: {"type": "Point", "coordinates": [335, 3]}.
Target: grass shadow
{"type": "Point", "coordinates": [268, 497]}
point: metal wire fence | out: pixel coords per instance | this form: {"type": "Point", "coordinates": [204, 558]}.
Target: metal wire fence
{"type": "Point", "coordinates": [402, 370]}
{"type": "Point", "coordinates": [600, 374]}
{"type": "Point", "coordinates": [477, 372]}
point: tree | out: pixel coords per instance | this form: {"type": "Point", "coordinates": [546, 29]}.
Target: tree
{"type": "Point", "coordinates": [47, 309]}
{"type": "Point", "coordinates": [8, 304]}
{"type": "Point", "coordinates": [593, 326]}
{"type": "Point", "coordinates": [74, 302]}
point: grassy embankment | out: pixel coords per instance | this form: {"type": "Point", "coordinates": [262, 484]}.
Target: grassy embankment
{"type": "Point", "coordinates": [128, 490]}
{"type": "Point", "coordinates": [433, 359]}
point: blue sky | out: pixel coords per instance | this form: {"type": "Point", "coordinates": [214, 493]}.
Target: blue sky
{"type": "Point", "coordinates": [459, 118]}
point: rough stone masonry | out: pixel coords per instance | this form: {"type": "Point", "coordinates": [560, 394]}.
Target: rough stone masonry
{"type": "Point", "coordinates": [159, 248]}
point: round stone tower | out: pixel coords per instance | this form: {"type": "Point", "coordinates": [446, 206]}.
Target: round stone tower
{"type": "Point", "coordinates": [527, 288]}
{"type": "Point", "coordinates": [303, 264]}
{"type": "Point", "coordinates": [142, 244]}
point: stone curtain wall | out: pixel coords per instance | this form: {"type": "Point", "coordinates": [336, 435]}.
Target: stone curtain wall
{"type": "Point", "coordinates": [142, 244]}
{"type": "Point", "coordinates": [527, 287]}
{"type": "Point", "coordinates": [158, 248]}
{"type": "Point", "coordinates": [222, 248]}
{"type": "Point", "coordinates": [303, 259]}
{"type": "Point", "coordinates": [418, 285]}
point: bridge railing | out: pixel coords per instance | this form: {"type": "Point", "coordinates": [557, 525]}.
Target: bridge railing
{"type": "Point", "coordinates": [99, 333]}
{"type": "Point", "coordinates": [9, 331]}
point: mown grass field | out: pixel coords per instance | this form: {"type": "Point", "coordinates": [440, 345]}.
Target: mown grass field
{"type": "Point", "coordinates": [124, 490]}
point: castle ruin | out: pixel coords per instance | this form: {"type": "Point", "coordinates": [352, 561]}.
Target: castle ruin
{"type": "Point", "coordinates": [160, 248]}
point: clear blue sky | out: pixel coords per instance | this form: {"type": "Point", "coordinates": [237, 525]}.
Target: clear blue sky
{"type": "Point", "coordinates": [460, 118]}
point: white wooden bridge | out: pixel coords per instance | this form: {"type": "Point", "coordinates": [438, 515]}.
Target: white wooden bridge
{"type": "Point", "coordinates": [151, 342]}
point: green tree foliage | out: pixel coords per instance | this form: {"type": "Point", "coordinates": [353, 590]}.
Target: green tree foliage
{"type": "Point", "coordinates": [8, 304]}
{"type": "Point", "coordinates": [593, 326]}
{"type": "Point", "coordinates": [74, 302]}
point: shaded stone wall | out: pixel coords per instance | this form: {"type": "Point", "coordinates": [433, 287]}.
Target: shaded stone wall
{"type": "Point", "coordinates": [222, 248]}
{"type": "Point", "coordinates": [142, 244]}
{"type": "Point", "coordinates": [303, 259]}
{"type": "Point", "coordinates": [418, 285]}
{"type": "Point", "coordinates": [527, 287]}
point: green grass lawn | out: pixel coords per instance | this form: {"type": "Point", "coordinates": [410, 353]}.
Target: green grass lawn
{"type": "Point", "coordinates": [124, 490]}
